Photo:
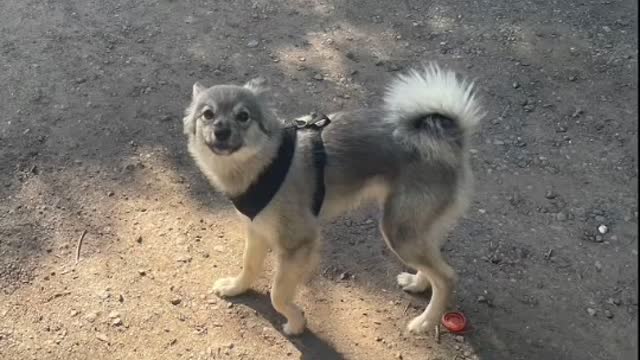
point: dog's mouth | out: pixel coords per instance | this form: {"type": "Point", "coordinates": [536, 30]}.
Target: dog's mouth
{"type": "Point", "coordinates": [223, 149]}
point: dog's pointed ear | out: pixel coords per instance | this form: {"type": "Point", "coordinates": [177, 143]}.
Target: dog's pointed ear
{"type": "Point", "coordinates": [197, 89]}
{"type": "Point", "coordinates": [258, 86]}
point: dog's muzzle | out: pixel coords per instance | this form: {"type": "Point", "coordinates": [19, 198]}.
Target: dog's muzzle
{"type": "Point", "coordinates": [222, 147]}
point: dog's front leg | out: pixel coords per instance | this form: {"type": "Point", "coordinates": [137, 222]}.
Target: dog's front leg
{"type": "Point", "coordinates": [292, 269]}
{"type": "Point", "coordinates": [255, 251]}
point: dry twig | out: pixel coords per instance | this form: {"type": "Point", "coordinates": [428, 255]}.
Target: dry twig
{"type": "Point", "coordinates": [80, 245]}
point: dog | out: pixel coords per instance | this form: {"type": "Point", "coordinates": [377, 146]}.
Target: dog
{"type": "Point", "coordinates": [409, 156]}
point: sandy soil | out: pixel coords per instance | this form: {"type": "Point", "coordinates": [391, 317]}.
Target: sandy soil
{"type": "Point", "coordinates": [91, 140]}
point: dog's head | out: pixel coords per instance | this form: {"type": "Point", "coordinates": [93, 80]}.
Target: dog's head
{"type": "Point", "coordinates": [229, 118]}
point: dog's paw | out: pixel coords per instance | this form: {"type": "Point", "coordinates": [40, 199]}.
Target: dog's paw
{"type": "Point", "coordinates": [412, 283]}
{"type": "Point", "coordinates": [422, 324]}
{"type": "Point", "coordinates": [295, 327]}
{"type": "Point", "coordinates": [228, 287]}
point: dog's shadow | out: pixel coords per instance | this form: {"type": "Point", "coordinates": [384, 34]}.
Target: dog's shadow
{"type": "Point", "coordinates": [309, 344]}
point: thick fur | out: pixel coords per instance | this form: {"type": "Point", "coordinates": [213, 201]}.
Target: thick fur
{"type": "Point", "coordinates": [408, 156]}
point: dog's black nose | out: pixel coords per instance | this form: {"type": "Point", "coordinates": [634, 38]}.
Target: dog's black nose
{"type": "Point", "coordinates": [222, 134]}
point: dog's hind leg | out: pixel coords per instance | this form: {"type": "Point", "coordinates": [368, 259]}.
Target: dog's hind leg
{"type": "Point", "coordinates": [255, 251]}
{"type": "Point", "coordinates": [442, 278]}
{"type": "Point", "coordinates": [417, 240]}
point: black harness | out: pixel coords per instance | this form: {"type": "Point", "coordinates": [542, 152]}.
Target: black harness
{"type": "Point", "coordinates": [264, 188]}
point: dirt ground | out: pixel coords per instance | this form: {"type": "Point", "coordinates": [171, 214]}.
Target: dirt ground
{"type": "Point", "coordinates": [91, 141]}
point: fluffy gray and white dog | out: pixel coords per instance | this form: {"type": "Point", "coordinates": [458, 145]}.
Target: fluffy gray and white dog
{"type": "Point", "coordinates": [408, 155]}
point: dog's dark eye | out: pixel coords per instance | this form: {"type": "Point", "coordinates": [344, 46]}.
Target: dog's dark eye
{"type": "Point", "coordinates": [208, 114]}
{"type": "Point", "coordinates": [242, 116]}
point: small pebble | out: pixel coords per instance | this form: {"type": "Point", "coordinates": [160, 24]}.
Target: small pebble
{"type": "Point", "coordinates": [253, 43]}
{"type": "Point", "coordinates": [114, 314]}
{"type": "Point", "coordinates": [91, 317]}
{"type": "Point", "coordinates": [608, 314]}
{"type": "Point", "coordinates": [613, 301]}
{"type": "Point", "coordinates": [577, 113]}
{"type": "Point", "coordinates": [603, 229]}
{"type": "Point", "coordinates": [176, 301]}
{"type": "Point", "coordinates": [102, 337]}
{"type": "Point", "coordinates": [598, 266]}
{"type": "Point", "coordinates": [318, 77]}
{"type": "Point", "coordinates": [592, 312]}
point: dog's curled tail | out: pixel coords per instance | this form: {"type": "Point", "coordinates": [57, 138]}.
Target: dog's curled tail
{"type": "Point", "coordinates": [434, 111]}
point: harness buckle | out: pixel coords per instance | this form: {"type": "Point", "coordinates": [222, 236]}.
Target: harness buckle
{"type": "Point", "coordinates": [314, 120]}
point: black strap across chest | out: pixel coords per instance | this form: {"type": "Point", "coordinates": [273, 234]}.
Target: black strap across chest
{"type": "Point", "coordinates": [260, 193]}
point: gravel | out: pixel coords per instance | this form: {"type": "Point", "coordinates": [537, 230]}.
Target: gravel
{"type": "Point", "coordinates": [603, 229]}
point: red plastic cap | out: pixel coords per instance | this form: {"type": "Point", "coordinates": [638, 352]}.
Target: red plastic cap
{"type": "Point", "coordinates": [455, 322]}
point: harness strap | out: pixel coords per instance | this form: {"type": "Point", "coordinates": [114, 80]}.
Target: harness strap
{"type": "Point", "coordinates": [261, 191]}
{"type": "Point", "coordinates": [264, 188]}
{"type": "Point", "coordinates": [319, 163]}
